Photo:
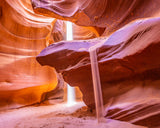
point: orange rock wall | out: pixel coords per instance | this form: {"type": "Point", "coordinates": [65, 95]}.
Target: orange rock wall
{"type": "Point", "coordinates": [22, 37]}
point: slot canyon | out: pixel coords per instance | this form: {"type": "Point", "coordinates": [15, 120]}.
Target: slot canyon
{"type": "Point", "coordinates": [38, 62]}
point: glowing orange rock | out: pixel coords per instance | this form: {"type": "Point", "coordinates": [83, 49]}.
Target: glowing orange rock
{"type": "Point", "coordinates": [22, 36]}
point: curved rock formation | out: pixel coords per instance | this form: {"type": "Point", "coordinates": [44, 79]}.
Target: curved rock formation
{"type": "Point", "coordinates": [128, 63]}
{"type": "Point", "coordinates": [23, 34]}
{"type": "Point", "coordinates": [129, 70]}
{"type": "Point", "coordinates": [22, 37]}
{"type": "Point", "coordinates": [100, 13]}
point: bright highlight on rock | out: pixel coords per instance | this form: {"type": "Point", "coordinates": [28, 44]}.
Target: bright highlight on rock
{"type": "Point", "coordinates": [70, 90]}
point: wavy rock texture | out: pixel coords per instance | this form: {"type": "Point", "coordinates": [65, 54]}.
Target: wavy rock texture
{"type": "Point", "coordinates": [129, 70]}
{"type": "Point", "coordinates": [100, 13]}
{"type": "Point", "coordinates": [127, 59]}
{"type": "Point", "coordinates": [22, 36]}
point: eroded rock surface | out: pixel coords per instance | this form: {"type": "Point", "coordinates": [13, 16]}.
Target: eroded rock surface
{"type": "Point", "coordinates": [129, 70]}
{"type": "Point", "coordinates": [128, 59]}
{"type": "Point", "coordinates": [22, 36]}
{"type": "Point", "coordinates": [100, 13]}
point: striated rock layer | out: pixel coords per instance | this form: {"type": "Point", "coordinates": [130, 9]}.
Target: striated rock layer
{"type": "Point", "coordinates": [98, 13]}
{"type": "Point", "coordinates": [129, 70]}
{"type": "Point", "coordinates": [22, 36]}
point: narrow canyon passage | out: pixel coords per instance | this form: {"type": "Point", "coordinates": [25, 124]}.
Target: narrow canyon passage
{"type": "Point", "coordinates": [43, 65]}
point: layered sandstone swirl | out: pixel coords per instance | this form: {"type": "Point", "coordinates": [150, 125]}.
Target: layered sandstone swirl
{"type": "Point", "coordinates": [36, 59]}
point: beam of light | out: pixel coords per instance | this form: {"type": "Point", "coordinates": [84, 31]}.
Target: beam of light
{"type": "Point", "coordinates": [69, 31]}
{"type": "Point", "coordinates": [70, 90]}
{"type": "Point", "coordinates": [70, 95]}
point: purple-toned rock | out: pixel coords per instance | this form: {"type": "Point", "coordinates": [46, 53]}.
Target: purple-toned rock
{"type": "Point", "coordinates": [106, 14]}
{"type": "Point", "coordinates": [129, 70]}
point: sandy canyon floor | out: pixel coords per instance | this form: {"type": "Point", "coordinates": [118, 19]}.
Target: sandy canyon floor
{"type": "Point", "coordinates": [56, 116]}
